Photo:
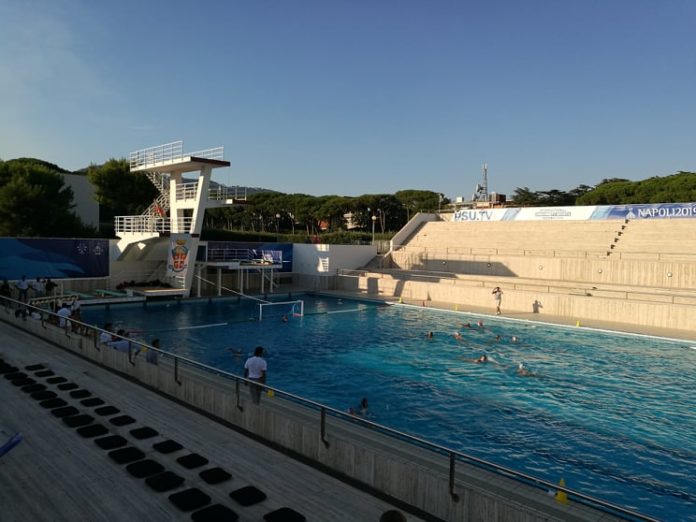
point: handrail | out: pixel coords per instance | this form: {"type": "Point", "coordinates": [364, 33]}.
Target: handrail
{"type": "Point", "coordinates": [147, 224]}
{"type": "Point", "coordinates": [526, 252]}
{"type": "Point", "coordinates": [170, 153]}
{"type": "Point", "coordinates": [323, 409]}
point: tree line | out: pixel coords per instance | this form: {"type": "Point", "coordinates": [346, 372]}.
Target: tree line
{"type": "Point", "coordinates": [677, 188]}
{"type": "Point", "coordinates": [35, 201]}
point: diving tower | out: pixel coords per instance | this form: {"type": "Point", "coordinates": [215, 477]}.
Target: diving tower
{"type": "Point", "coordinates": [178, 211]}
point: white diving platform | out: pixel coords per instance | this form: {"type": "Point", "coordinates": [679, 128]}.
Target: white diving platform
{"type": "Point", "coordinates": [170, 157]}
{"type": "Point", "coordinates": [178, 211]}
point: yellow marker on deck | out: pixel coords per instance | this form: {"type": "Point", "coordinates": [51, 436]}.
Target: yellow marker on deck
{"type": "Point", "coordinates": [400, 300]}
{"type": "Point", "coordinates": [270, 393]}
{"type": "Point", "coordinates": [456, 308]}
{"type": "Point", "coordinates": [561, 496]}
{"type": "Point", "coordinates": [577, 323]}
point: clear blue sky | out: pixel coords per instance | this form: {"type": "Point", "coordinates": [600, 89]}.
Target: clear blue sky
{"type": "Point", "coordinates": [358, 96]}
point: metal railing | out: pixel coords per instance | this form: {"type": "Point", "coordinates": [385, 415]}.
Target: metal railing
{"type": "Point", "coordinates": [186, 190]}
{"type": "Point", "coordinates": [223, 193]}
{"type": "Point", "coordinates": [221, 255]}
{"type": "Point", "coordinates": [452, 456]}
{"type": "Point", "coordinates": [189, 190]}
{"type": "Point", "coordinates": [170, 153]}
{"type": "Point", "coordinates": [148, 224]}
{"type": "Point", "coordinates": [494, 251]}
{"type": "Point", "coordinates": [158, 154]}
{"type": "Point", "coordinates": [216, 153]}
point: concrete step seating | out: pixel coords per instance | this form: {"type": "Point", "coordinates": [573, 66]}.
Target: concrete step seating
{"type": "Point", "coordinates": [138, 463]}
{"type": "Point", "coordinates": [684, 296]}
{"type": "Point", "coordinates": [517, 235]}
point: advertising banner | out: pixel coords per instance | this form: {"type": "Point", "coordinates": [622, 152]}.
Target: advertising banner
{"type": "Point", "coordinates": [647, 211]}
{"type": "Point", "coordinates": [652, 211]}
{"type": "Point", "coordinates": [54, 258]}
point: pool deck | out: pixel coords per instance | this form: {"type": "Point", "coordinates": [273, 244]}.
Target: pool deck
{"type": "Point", "coordinates": [55, 474]}
{"type": "Point", "coordinates": [527, 316]}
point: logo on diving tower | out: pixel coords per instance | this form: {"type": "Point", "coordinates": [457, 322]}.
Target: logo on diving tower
{"type": "Point", "coordinates": [178, 260]}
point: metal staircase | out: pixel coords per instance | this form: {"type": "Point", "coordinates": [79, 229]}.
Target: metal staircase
{"type": "Point", "coordinates": [159, 207]}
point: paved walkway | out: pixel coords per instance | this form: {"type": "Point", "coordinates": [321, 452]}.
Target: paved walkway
{"type": "Point", "coordinates": [55, 474]}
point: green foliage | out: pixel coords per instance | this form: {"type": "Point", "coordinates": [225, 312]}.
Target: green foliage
{"type": "Point", "coordinates": [677, 188]}
{"type": "Point", "coordinates": [420, 201]}
{"type": "Point", "coordinates": [120, 190]}
{"type": "Point", "coordinates": [34, 201]}
{"type": "Point", "coordinates": [342, 237]}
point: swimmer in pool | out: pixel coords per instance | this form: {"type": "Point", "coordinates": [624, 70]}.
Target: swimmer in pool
{"type": "Point", "coordinates": [480, 324]}
{"type": "Point", "coordinates": [360, 409]}
{"type": "Point", "coordinates": [457, 336]}
{"type": "Point", "coordinates": [523, 371]}
{"type": "Point", "coordinates": [481, 360]}
{"type": "Point", "coordinates": [515, 339]}
{"type": "Point", "coordinates": [429, 335]}
{"type": "Point", "coordinates": [466, 325]}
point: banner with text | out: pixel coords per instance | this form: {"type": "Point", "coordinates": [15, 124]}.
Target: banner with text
{"type": "Point", "coordinates": [647, 211]}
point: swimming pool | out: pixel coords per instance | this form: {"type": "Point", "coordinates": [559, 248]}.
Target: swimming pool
{"type": "Point", "coordinates": [613, 415]}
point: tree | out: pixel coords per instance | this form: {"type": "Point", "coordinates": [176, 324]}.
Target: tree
{"type": "Point", "coordinates": [523, 197]}
{"type": "Point", "coordinates": [332, 210]}
{"type": "Point", "coordinates": [677, 188]}
{"type": "Point", "coordinates": [414, 201]}
{"type": "Point", "coordinates": [119, 189]}
{"type": "Point", "coordinates": [34, 201]}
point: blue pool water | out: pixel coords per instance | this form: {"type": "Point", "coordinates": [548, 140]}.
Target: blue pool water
{"type": "Point", "coordinates": [614, 415]}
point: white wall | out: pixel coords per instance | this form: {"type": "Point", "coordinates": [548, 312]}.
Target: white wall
{"type": "Point", "coordinates": [86, 207]}
{"type": "Point", "coordinates": [325, 260]}
{"type": "Point", "coordinates": [410, 227]}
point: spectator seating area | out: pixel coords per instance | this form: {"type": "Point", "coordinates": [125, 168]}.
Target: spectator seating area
{"type": "Point", "coordinates": [639, 272]}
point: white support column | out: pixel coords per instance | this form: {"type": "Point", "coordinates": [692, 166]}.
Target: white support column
{"type": "Point", "coordinates": [201, 199]}
{"type": "Point", "coordinates": [219, 281]}
{"type": "Point", "coordinates": [199, 271]}
{"type": "Point", "coordinates": [176, 210]}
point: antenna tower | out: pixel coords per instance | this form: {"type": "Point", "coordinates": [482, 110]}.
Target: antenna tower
{"type": "Point", "coordinates": [484, 186]}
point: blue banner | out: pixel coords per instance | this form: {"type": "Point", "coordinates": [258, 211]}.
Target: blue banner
{"type": "Point", "coordinates": [279, 253]}
{"type": "Point", "coordinates": [54, 258]}
{"type": "Point", "coordinates": [655, 211]}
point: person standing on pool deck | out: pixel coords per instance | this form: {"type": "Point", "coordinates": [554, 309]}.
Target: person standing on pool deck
{"type": "Point", "coordinates": [498, 296]}
{"type": "Point", "coordinates": [255, 370]}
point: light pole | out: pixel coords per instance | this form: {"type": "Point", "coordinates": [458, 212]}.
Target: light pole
{"type": "Point", "coordinates": [277, 226]}
{"type": "Point", "coordinates": [374, 220]}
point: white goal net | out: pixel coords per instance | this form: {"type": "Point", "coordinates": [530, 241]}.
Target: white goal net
{"type": "Point", "coordinates": [283, 310]}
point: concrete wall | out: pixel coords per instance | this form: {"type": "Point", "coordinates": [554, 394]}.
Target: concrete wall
{"type": "Point", "coordinates": [627, 305]}
{"type": "Point", "coordinates": [677, 274]}
{"type": "Point", "coordinates": [324, 260]}
{"type": "Point", "coordinates": [402, 235]}
{"type": "Point", "coordinates": [86, 207]}
{"type": "Point", "coordinates": [403, 471]}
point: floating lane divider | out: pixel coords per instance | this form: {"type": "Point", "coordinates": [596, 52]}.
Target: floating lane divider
{"type": "Point", "coordinates": [211, 325]}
